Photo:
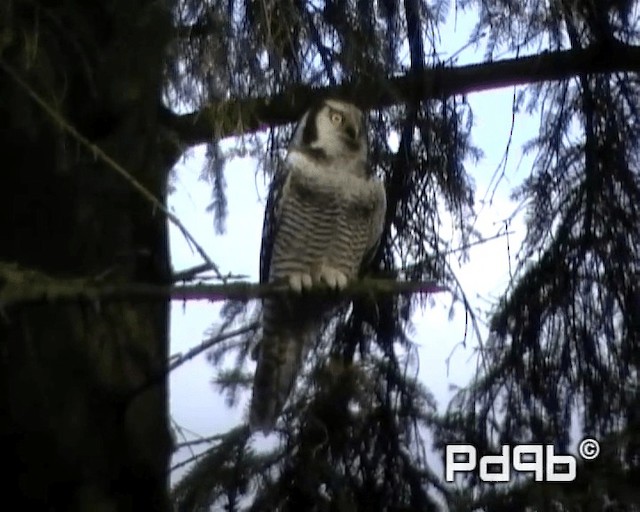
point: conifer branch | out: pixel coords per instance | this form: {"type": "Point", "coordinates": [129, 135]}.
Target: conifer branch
{"type": "Point", "coordinates": [237, 116]}
{"type": "Point", "coordinates": [180, 359]}
{"type": "Point", "coordinates": [19, 286]}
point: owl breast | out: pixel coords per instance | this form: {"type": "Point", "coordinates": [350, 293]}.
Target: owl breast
{"type": "Point", "coordinates": [326, 220]}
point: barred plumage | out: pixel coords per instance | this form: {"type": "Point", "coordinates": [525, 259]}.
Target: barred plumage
{"type": "Point", "coordinates": [324, 215]}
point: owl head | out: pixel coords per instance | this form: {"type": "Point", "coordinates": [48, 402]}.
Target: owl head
{"type": "Point", "coordinates": [332, 129]}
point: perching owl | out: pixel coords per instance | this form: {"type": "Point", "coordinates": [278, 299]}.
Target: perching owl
{"type": "Point", "coordinates": [323, 220]}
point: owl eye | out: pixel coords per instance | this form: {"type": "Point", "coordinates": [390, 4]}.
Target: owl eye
{"type": "Point", "coordinates": [336, 118]}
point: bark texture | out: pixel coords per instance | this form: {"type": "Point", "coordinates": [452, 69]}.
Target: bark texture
{"type": "Point", "coordinates": [81, 431]}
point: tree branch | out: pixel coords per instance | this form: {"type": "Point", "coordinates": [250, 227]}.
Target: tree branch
{"type": "Point", "coordinates": [19, 286]}
{"type": "Point", "coordinates": [179, 360]}
{"type": "Point", "coordinates": [244, 115]}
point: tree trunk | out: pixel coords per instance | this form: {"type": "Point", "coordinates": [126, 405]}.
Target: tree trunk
{"type": "Point", "coordinates": [77, 431]}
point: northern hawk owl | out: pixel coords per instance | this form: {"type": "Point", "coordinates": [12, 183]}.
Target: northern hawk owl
{"type": "Point", "coordinates": [323, 219]}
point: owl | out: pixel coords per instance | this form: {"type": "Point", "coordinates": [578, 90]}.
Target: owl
{"type": "Point", "coordinates": [323, 220]}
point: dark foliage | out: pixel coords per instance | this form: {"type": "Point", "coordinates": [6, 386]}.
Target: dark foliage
{"type": "Point", "coordinates": [563, 352]}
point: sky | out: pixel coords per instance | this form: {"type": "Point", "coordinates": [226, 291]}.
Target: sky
{"type": "Point", "coordinates": [445, 363]}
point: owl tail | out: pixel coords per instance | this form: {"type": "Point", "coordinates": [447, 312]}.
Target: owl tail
{"type": "Point", "coordinates": [280, 359]}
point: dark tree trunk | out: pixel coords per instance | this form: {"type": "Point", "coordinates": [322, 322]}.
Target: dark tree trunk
{"type": "Point", "coordinates": [77, 434]}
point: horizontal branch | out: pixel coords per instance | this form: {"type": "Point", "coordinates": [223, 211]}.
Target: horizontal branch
{"type": "Point", "coordinates": [28, 286]}
{"type": "Point", "coordinates": [237, 116]}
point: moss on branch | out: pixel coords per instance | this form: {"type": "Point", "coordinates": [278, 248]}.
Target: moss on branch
{"type": "Point", "coordinates": [19, 286]}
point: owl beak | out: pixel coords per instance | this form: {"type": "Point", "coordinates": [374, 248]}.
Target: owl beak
{"type": "Point", "coordinates": [352, 132]}
{"type": "Point", "coordinates": [358, 125]}
{"type": "Point", "coordinates": [352, 128]}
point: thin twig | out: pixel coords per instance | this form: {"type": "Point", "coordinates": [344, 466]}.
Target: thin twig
{"type": "Point", "coordinates": [193, 272]}
{"type": "Point", "coordinates": [180, 431]}
{"type": "Point", "coordinates": [236, 436]}
{"type": "Point", "coordinates": [205, 345]}
{"type": "Point", "coordinates": [203, 440]}
{"type": "Point", "coordinates": [478, 242]}
{"type": "Point", "coordinates": [97, 151]}
{"type": "Point", "coordinates": [189, 460]}
{"type": "Point", "coordinates": [190, 273]}
{"type": "Point", "coordinates": [408, 269]}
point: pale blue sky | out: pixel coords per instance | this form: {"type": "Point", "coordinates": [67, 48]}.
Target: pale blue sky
{"type": "Point", "coordinates": [197, 406]}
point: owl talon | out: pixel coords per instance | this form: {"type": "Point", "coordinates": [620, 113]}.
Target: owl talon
{"type": "Point", "coordinates": [299, 281]}
{"type": "Point", "coordinates": [333, 278]}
